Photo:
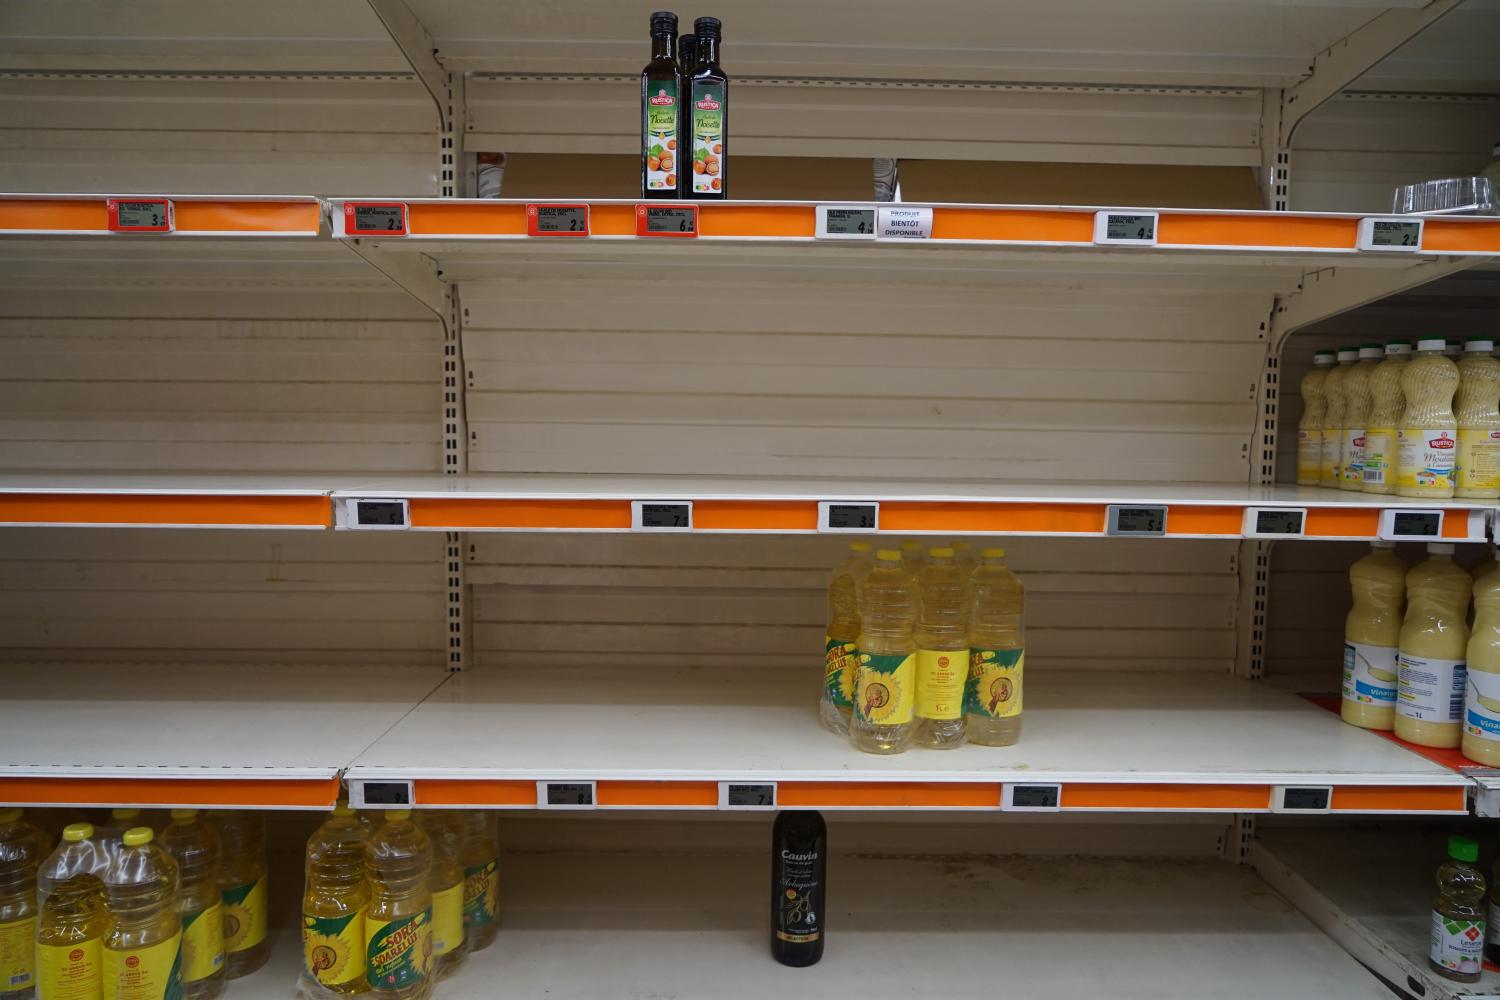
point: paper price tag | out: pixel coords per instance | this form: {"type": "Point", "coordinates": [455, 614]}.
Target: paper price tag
{"type": "Point", "coordinates": [1402, 235]}
{"type": "Point", "coordinates": [1275, 522]}
{"type": "Point", "coordinates": [141, 215]}
{"type": "Point", "coordinates": [661, 515]}
{"type": "Point", "coordinates": [900, 222]}
{"type": "Point", "coordinates": [1125, 228]}
{"type": "Point", "coordinates": [666, 220]}
{"type": "Point", "coordinates": [557, 220]}
{"type": "Point", "coordinates": [844, 515]}
{"type": "Point", "coordinates": [1136, 520]}
{"type": "Point", "coordinates": [1397, 524]}
{"type": "Point", "coordinates": [845, 222]}
{"type": "Point", "coordinates": [374, 218]}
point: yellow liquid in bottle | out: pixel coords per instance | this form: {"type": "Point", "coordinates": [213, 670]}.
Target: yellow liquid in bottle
{"type": "Point", "coordinates": [1310, 427]}
{"type": "Point", "coordinates": [840, 641]}
{"type": "Point", "coordinates": [481, 859]}
{"type": "Point", "coordinates": [942, 651]}
{"type": "Point", "coordinates": [885, 683]}
{"type": "Point", "coordinates": [72, 919]}
{"type": "Point", "coordinates": [334, 901]}
{"type": "Point", "coordinates": [1477, 410]}
{"type": "Point", "coordinates": [398, 924]}
{"type": "Point", "coordinates": [1387, 404]}
{"type": "Point", "coordinates": [1481, 724]}
{"type": "Point", "coordinates": [1329, 471]}
{"type": "Point", "coordinates": [1356, 415]}
{"type": "Point", "coordinates": [194, 844]}
{"type": "Point", "coordinates": [447, 884]}
{"type": "Point", "coordinates": [243, 890]}
{"type": "Point", "coordinates": [997, 653]}
{"type": "Point", "coordinates": [141, 950]}
{"type": "Point", "coordinates": [20, 852]}
{"type": "Point", "coordinates": [1434, 641]}
{"type": "Point", "coordinates": [1372, 638]}
{"type": "Point", "coordinates": [1427, 438]}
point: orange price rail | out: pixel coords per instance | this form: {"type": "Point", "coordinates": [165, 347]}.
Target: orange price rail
{"type": "Point", "coordinates": [196, 215]}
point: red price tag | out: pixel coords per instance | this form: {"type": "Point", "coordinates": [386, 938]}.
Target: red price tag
{"type": "Point", "coordinates": [666, 220]}
{"type": "Point", "coordinates": [374, 218]}
{"type": "Point", "coordinates": [557, 220]}
{"type": "Point", "coordinates": [141, 215]}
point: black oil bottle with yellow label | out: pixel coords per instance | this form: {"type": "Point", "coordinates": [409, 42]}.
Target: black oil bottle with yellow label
{"type": "Point", "coordinates": [799, 884]}
{"type": "Point", "coordinates": [661, 105]}
{"type": "Point", "coordinates": [708, 106]}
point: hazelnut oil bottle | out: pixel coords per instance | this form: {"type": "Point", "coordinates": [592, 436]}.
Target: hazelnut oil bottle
{"type": "Point", "coordinates": [661, 103]}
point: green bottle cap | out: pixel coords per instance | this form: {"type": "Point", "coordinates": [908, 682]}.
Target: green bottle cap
{"type": "Point", "coordinates": [1462, 849]}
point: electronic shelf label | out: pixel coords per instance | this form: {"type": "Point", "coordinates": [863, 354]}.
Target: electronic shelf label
{"type": "Point", "coordinates": [141, 215]}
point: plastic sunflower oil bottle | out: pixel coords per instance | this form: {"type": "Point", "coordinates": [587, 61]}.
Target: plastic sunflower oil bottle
{"type": "Point", "coordinates": [1481, 728]}
{"type": "Point", "coordinates": [242, 888]}
{"type": "Point", "coordinates": [194, 844]}
{"type": "Point", "coordinates": [143, 949]}
{"type": "Point", "coordinates": [1330, 472]}
{"type": "Point", "coordinates": [1372, 638]}
{"type": "Point", "coordinates": [1427, 438]}
{"type": "Point", "coordinates": [840, 642]}
{"type": "Point", "coordinates": [20, 854]}
{"type": "Point", "coordinates": [885, 683]}
{"type": "Point", "coordinates": [446, 881]}
{"type": "Point", "coordinates": [71, 920]}
{"type": "Point", "coordinates": [942, 651]}
{"type": "Point", "coordinates": [398, 924]}
{"type": "Point", "coordinates": [1434, 642]}
{"type": "Point", "coordinates": [1477, 409]}
{"type": "Point", "coordinates": [481, 859]}
{"type": "Point", "coordinates": [1458, 914]}
{"type": "Point", "coordinates": [1387, 404]}
{"type": "Point", "coordinates": [1310, 427]}
{"type": "Point", "coordinates": [997, 652]}
{"type": "Point", "coordinates": [334, 900]}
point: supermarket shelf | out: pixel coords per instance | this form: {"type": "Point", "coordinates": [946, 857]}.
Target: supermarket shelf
{"type": "Point", "coordinates": [666, 738]}
{"type": "Point", "coordinates": [603, 503]}
{"type": "Point", "coordinates": [693, 924]}
{"type": "Point", "coordinates": [261, 735]}
{"type": "Point", "coordinates": [1369, 890]}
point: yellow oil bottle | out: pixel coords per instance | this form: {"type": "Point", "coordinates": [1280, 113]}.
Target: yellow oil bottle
{"type": "Point", "coordinates": [143, 949]}
{"type": "Point", "coordinates": [446, 880]}
{"type": "Point", "coordinates": [840, 640]}
{"type": "Point", "coordinates": [243, 890]}
{"type": "Point", "coordinates": [334, 903]}
{"type": "Point", "coordinates": [20, 853]}
{"type": "Point", "coordinates": [942, 651]}
{"type": "Point", "coordinates": [885, 684]}
{"type": "Point", "coordinates": [71, 920]}
{"type": "Point", "coordinates": [194, 844]}
{"type": "Point", "coordinates": [481, 860]}
{"type": "Point", "coordinates": [398, 924]}
{"type": "Point", "coordinates": [997, 653]}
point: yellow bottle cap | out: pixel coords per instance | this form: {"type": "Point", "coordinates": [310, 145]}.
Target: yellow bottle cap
{"type": "Point", "coordinates": [992, 553]}
{"type": "Point", "coordinates": [74, 832]}
{"type": "Point", "coordinates": [888, 555]}
{"type": "Point", "coordinates": [10, 815]}
{"type": "Point", "coordinates": [184, 813]}
{"type": "Point", "coordinates": [859, 546]}
{"type": "Point", "coordinates": [124, 814]}
{"type": "Point", "coordinates": [138, 835]}
{"type": "Point", "coordinates": [911, 546]}
{"type": "Point", "coordinates": [342, 808]}
{"type": "Point", "coordinates": [941, 553]}
{"type": "Point", "coordinates": [394, 815]}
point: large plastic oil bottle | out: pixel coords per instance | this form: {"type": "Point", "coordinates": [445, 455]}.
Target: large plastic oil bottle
{"type": "Point", "coordinates": [1310, 427]}
{"type": "Point", "coordinates": [1434, 642]}
{"type": "Point", "coordinates": [885, 684]}
{"type": "Point", "coordinates": [1329, 470]}
{"type": "Point", "coordinates": [840, 642]}
{"type": "Point", "coordinates": [1372, 638]}
{"type": "Point", "coordinates": [334, 900]}
{"type": "Point", "coordinates": [194, 844]}
{"type": "Point", "coordinates": [1458, 914]}
{"type": "Point", "coordinates": [1477, 410]}
{"type": "Point", "coordinates": [243, 890]}
{"type": "Point", "coordinates": [446, 880]}
{"type": "Point", "coordinates": [143, 949]}
{"type": "Point", "coordinates": [398, 924]}
{"type": "Point", "coordinates": [1427, 438]}
{"type": "Point", "coordinates": [481, 858]}
{"type": "Point", "coordinates": [1356, 417]}
{"type": "Point", "coordinates": [71, 920]}
{"type": "Point", "coordinates": [1387, 404]}
{"type": "Point", "coordinates": [997, 652]}
{"type": "Point", "coordinates": [942, 651]}
{"type": "Point", "coordinates": [1481, 726]}
{"type": "Point", "coordinates": [20, 854]}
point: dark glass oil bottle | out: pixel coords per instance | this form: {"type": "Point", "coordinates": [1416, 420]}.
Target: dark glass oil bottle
{"type": "Point", "coordinates": [799, 882]}
{"type": "Point", "coordinates": [661, 106]}
{"type": "Point", "coordinates": [687, 61]}
{"type": "Point", "coordinates": [708, 104]}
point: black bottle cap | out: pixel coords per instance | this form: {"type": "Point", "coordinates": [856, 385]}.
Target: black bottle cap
{"type": "Point", "coordinates": [687, 47]}
{"type": "Point", "coordinates": [664, 22]}
{"type": "Point", "coordinates": [708, 27]}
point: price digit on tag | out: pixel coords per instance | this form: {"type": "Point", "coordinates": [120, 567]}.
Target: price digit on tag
{"type": "Point", "coordinates": [1399, 235]}
{"type": "Point", "coordinates": [557, 220]}
{"type": "Point", "coordinates": [1397, 524]}
{"type": "Point", "coordinates": [733, 795]}
{"type": "Point", "coordinates": [1275, 522]}
{"type": "Point", "coordinates": [1133, 520]}
{"type": "Point", "coordinates": [567, 794]}
{"type": "Point", "coordinates": [375, 218]}
{"type": "Point", "coordinates": [661, 515]}
{"type": "Point", "coordinates": [845, 222]}
{"type": "Point", "coordinates": [840, 515]}
{"type": "Point", "coordinates": [1126, 228]}
{"type": "Point", "coordinates": [666, 220]}
{"type": "Point", "coordinates": [141, 215]}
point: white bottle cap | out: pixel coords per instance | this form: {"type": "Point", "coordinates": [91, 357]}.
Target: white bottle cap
{"type": "Point", "coordinates": [1431, 344]}
{"type": "Point", "coordinates": [1348, 354]}
{"type": "Point", "coordinates": [1381, 543]}
{"type": "Point", "coordinates": [1394, 348]}
{"type": "Point", "coordinates": [1370, 351]}
{"type": "Point", "coordinates": [1325, 357]}
{"type": "Point", "coordinates": [1478, 345]}
{"type": "Point", "coordinates": [1440, 548]}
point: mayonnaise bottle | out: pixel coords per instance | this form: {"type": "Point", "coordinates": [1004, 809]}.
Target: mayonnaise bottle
{"type": "Point", "coordinates": [1434, 642]}
{"type": "Point", "coordinates": [1427, 438]}
{"type": "Point", "coordinates": [1310, 427]}
{"type": "Point", "coordinates": [1333, 417]}
{"type": "Point", "coordinates": [1356, 415]}
{"type": "Point", "coordinates": [1481, 728]}
{"type": "Point", "coordinates": [1477, 409]}
{"type": "Point", "coordinates": [1386, 406]}
{"type": "Point", "coordinates": [1372, 638]}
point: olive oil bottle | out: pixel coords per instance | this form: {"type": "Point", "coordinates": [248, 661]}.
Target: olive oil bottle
{"type": "Point", "coordinates": [708, 104]}
{"type": "Point", "coordinates": [661, 105]}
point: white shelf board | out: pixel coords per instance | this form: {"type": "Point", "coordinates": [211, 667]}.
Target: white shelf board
{"type": "Point", "coordinates": [178, 484]}
{"type": "Point", "coordinates": [198, 721]}
{"type": "Point", "coordinates": [695, 925]}
{"type": "Point", "coordinates": [590, 722]}
{"type": "Point", "coordinates": [1371, 889]}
